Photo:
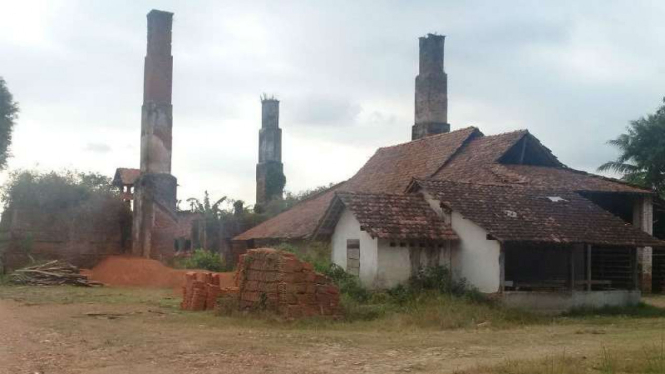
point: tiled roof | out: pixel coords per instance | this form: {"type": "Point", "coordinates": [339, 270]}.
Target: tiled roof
{"type": "Point", "coordinates": [298, 222]}
{"type": "Point", "coordinates": [398, 217]}
{"type": "Point", "coordinates": [518, 213]}
{"type": "Point", "coordinates": [478, 162]}
{"type": "Point", "coordinates": [124, 176]}
{"type": "Point", "coordinates": [464, 155]}
{"type": "Point", "coordinates": [569, 179]}
{"type": "Point", "coordinates": [390, 170]}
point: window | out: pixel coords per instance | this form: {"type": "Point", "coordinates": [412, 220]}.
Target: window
{"type": "Point", "coordinates": [353, 256]}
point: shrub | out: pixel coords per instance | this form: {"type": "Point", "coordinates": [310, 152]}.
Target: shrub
{"type": "Point", "coordinates": [202, 260]}
{"type": "Point", "coordinates": [347, 283]}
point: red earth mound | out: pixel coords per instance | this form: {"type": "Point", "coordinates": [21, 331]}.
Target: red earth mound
{"type": "Point", "coordinates": [142, 272]}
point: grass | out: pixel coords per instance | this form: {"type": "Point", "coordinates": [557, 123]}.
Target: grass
{"type": "Point", "coordinates": [648, 360]}
{"type": "Point", "coordinates": [429, 311]}
{"type": "Point", "coordinates": [39, 295]}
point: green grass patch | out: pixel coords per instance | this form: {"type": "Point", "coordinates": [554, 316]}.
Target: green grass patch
{"type": "Point", "coordinates": [648, 360]}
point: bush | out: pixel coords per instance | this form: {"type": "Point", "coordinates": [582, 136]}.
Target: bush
{"type": "Point", "coordinates": [201, 260]}
{"type": "Point", "coordinates": [347, 283]}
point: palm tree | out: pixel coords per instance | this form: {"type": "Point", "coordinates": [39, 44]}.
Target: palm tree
{"type": "Point", "coordinates": [642, 158]}
{"type": "Point", "coordinates": [212, 213]}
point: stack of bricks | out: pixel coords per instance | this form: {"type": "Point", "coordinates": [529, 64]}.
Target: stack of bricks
{"type": "Point", "coordinates": [278, 281]}
{"type": "Point", "coordinates": [200, 291]}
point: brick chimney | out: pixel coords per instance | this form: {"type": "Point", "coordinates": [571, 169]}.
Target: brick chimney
{"type": "Point", "coordinates": [270, 169]}
{"type": "Point", "coordinates": [431, 104]}
{"type": "Point", "coordinates": [155, 220]}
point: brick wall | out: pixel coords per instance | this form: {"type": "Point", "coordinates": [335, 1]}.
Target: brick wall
{"type": "Point", "coordinates": [82, 236]}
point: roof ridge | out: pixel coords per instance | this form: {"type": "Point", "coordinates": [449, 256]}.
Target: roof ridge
{"type": "Point", "coordinates": [430, 137]}
{"type": "Point", "coordinates": [508, 133]}
{"type": "Point", "coordinates": [507, 185]}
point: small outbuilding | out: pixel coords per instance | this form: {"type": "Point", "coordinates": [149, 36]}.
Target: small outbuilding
{"type": "Point", "coordinates": [383, 239]}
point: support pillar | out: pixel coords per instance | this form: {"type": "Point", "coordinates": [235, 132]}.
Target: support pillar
{"type": "Point", "coordinates": [643, 219]}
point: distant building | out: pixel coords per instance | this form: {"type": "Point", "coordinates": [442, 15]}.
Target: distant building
{"type": "Point", "coordinates": [125, 179]}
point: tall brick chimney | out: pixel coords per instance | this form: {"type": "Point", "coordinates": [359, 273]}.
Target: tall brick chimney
{"type": "Point", "coordinates": [269, 170]}
{"type": "Point", "coordinates": [431, 115]}
{"type": "Point", "coordinates": [155, 190]}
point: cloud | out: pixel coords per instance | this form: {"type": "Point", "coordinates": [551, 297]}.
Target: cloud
{"type": "Point", "coordinates": [573, 73]}
{"type": "Point", "coordinates": [97, 148]}
{"type": "Point", "coordinates": [314, 110]}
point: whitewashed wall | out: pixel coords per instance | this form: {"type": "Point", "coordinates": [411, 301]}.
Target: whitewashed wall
{"type": "Point", "coordinates": [476, 258]}
{"type": "Point", "coordinates": [348, 227]}
{"type": "Point", "coordinates": [394, 265]}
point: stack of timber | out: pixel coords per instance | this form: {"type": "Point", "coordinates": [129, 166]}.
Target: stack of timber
{"type": "Point", "coordinates": [51, 274]}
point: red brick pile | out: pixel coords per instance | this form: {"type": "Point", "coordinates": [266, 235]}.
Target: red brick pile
{"type": "Point", "coordinates": [265, 279]}
{"type": "Point", "coordinates": [278, 281]}
{"type": "Point", "coordinates": [200, 291]}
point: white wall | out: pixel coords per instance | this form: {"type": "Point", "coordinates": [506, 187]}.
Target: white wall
{"type": "Point", "coordinates": [348, 227]}
{"type": "Point", "coordinates": [394, 265]}
{"type": "Point", "coordinates": [476, 258]}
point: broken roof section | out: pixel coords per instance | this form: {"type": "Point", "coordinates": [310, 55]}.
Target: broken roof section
{"type": "Point", "coordinates": [385, 216]}
{"type": "Point", "coordinates": [517, 214]}
{"type": "Point", "coordinates": [125, 176]}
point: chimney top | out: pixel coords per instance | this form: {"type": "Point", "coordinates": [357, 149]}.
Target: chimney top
{"type": "Point", "coordinates": [159, 13]}
{"type": "Point", "coordinates": [268, 99]}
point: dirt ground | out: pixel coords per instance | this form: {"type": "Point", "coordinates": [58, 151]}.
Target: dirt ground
{"type": "Point", "coordinates": [116, 330]}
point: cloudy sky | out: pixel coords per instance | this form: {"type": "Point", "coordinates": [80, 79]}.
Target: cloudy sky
{"type": "Point", "coordinates": [574, 73]}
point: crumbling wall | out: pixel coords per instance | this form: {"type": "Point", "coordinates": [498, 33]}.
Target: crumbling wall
{"type": "Point", "coordinates": [82, 236]}
{"type": "Point", "coordinates": [267, 279]}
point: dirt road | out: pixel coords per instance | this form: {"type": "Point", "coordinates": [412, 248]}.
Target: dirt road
{"type": "Point", "coordinates": [119, 337]}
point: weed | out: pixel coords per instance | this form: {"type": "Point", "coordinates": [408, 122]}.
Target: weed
{"type": "Point", "coordinates": [201, 259]}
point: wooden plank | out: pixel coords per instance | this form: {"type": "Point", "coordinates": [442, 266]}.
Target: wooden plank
{"type": "Point", "coordinates": [353, 253]}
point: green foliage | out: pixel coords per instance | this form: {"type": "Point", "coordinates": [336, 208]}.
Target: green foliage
{"type": "Point", "coordinates": [275, 182]}
{"type": "Point", "coordinates": [202, 260]}
{"type": "Point", "coordinates": [434, 284]}
{"type": "Point", "coordinates": [53, 191]}
{"type": "Point", "coordinates": [642, 147]}
{"type": "Point", "coordinates": [8, 115]}
{"type": "Point", "coordinates": [348, 284]}
{"type": "Point", "coordinates": [314, 252]}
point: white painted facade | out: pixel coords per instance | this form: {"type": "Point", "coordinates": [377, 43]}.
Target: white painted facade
{"type": "Point", "coordinates": [347, 228]}
{"type": "Point", "coordinates": [474, 257]}
{"type": "Point", "coordinates": [382, 265]}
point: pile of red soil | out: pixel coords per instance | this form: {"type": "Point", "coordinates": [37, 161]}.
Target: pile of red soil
{"type": "Point", "coordinates": [142, 272]}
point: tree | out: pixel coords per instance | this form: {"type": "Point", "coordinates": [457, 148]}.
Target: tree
{"type": "Point", "coordinates": [642, 158]}
{"type": "Point", "coordinates": [8, 116]}
{"type": "Point", "coordinates": [212, 214]}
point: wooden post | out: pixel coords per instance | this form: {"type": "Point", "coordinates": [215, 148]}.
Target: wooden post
{"type": "Point", "coordinates": [634, 268]}
{"type": "Point", "coordinates": [502, 269]}
{"type": "Point", "coordinates": [588, 267]}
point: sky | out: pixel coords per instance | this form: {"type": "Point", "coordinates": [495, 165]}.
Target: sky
{"type": "Point", "coordinates": [573, 73]}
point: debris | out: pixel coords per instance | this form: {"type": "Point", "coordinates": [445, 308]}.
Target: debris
{"type": "Point", "coordinates": [50, 274]}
